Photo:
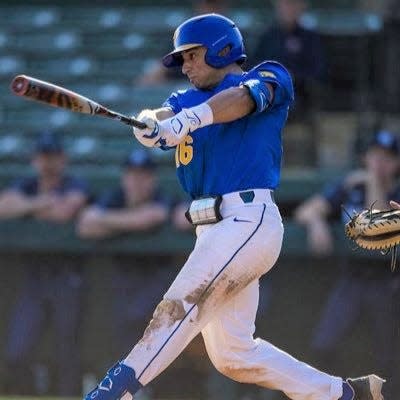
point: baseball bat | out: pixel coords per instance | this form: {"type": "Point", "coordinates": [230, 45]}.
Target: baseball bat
{"type": "Point", "coordinates": [57, 96]}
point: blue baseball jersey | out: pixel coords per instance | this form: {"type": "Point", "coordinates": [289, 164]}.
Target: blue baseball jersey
{"type": "Point", "coordinates": [240, 155]}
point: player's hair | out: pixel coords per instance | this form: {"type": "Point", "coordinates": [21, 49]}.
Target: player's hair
{"type": "Point", "coordinates": [213, 31]}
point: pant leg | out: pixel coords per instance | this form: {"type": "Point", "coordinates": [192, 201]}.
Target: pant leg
{"type": "Point", "coordinates": [66, 300]}
{"type": "Point", "coordinates": [135, 295]}
{"type": "Point", "coordinates": [125, 284]}
{"type": "Point", "coordinates": [235, 353]}
{"type": "Point", "coordinates": [23, 334]}
{"type": "Point", "coordinates": [217, 269]}
{"type": "Point", "coordinates": [227, 258]}
{"type": "Point", "coordinates": [340, 312]}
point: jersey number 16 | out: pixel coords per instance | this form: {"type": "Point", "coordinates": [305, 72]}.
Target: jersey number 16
{"type": "Point", "coordinates": [184, 152]}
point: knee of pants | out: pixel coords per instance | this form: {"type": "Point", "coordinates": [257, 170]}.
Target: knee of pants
{"type": "Point", "coordinates": [235, 364]}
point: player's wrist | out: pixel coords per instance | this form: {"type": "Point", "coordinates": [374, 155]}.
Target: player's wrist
{"type": "Point", "coordinates": [173, 130]}
{"type": "Point", "coordinates": [199, 116]}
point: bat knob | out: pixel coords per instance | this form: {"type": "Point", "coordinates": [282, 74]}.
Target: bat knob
{"type": "Point", "coordinates": [19, 85]}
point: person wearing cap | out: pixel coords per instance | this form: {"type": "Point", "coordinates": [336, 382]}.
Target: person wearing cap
{"type": "Point", "coordinates": [366, 285]}
{"type": "Point", "coordinates": [135, 205]}
{"type": "Point", "coordinates": [53, 284]}
{"type": "Point", "coordinates": [297, 47]}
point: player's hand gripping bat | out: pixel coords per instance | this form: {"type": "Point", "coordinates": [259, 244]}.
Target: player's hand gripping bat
{"type": "Point", "coordinates": [57, 96]}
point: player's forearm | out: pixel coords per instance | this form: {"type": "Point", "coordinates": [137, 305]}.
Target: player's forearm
{"type": "Point", "coordinates": [231, 104]}
{"type": "Point", "coordinates": [226, 106]}
{"type": "Point", "coordinates": [140, 220]}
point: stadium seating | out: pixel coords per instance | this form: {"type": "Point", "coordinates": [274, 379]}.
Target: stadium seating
{"type": "Point", "coordinates": [99, 51]}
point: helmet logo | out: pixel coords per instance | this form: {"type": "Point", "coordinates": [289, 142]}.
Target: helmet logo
{"type": "Point", "coordinates": [219, 40]}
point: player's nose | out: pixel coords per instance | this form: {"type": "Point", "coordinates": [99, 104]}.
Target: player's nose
{"type": "Point", "coordinates": [185, 67]}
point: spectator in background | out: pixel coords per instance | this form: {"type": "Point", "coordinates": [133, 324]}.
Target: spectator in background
{"type": "Point", "coordinates": [158, 74]}
{"type": "Point", "coordinates": [366, 285]}
{"type": "Point", "coordinates": [388, 101]}
{"type": "Point", "coordinates": [296, 47]}
{"type": "Point", "coordinates": [136, 205]}
{"type": "Point", "coordinates": [178, 218]}
{"type": "Point", "coordinates": [53, 288]}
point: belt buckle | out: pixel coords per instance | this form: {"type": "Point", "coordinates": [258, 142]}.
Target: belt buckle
{"type": "Point", "coordinates": [204, 210]}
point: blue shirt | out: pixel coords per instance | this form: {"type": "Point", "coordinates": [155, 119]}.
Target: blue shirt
{"type": "Point", "coordinates": [240, 155]}
{"type": "Point", "coordinates": [29, 186]}
{"type": "Point", "coordinates": [299, 49]}
{"type": "Point", "coordinates": [115, 199]}
{"type": "Point", "coordinates": [352, 197]}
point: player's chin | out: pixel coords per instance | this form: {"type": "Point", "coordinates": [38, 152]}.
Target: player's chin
{"type": "Point", "coordinates": [202, 86]}
{"type": "Point", "coordinates": [197, 84]}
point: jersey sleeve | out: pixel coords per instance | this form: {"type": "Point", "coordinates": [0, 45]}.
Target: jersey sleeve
{"type": "Point", "coordinates": [277, 75]}
{"type": "Point", "coordinates": [173, 102]}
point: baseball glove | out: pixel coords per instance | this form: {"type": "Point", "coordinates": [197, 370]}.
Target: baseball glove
{"type": "Point", "coordinates": [376, 230]}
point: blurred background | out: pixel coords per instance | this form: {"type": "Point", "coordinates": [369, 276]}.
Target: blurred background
{"type": "Point", "coordinates": [82, 267]}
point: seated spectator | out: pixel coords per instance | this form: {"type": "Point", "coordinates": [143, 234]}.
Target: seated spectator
{"type": "Point", "coordinates": [297, 48]}
{"type": "Point", "coordinates": [53, 285]}
{"type": "Point", "coordinates": [388, 100]}
{"type": "Point", "coordinates": [135, 205]}
{"type": "Point", "coordinates": [366, 286]}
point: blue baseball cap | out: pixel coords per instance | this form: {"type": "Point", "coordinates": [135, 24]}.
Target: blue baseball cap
{"type": "Point", "coordinates": [48, 142]}
{"type": "Point", "coordinates": [386, 140]}
{"type": "Point", "coordinates": [139, 158]}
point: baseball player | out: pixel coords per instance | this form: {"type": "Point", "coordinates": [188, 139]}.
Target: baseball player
{"type": "Point", "coordinates": [226, 133]}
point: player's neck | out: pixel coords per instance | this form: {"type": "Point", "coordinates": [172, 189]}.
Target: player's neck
{"type": "Point", "coordinates": [234, 69]}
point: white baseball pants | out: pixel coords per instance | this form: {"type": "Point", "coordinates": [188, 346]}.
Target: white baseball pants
{"type": "Point", "coordinates": [216, 293]}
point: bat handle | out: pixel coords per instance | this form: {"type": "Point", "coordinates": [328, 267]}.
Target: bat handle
{"type": "Point", "coordinates": [121, 117]}
{"type": "Point", "coordinates": [135, 123]}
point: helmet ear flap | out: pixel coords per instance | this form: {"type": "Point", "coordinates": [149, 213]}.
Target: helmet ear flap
{"type": "Point", "coordinates": [225, 51]}
{"type": "Point", "coordinates": [216, 58]}
{"type": "Point", "coordinates": [224, 54]}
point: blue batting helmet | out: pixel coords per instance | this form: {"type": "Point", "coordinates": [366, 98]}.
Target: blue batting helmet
{"type": "Point", "coordinates": [218, 34]}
